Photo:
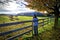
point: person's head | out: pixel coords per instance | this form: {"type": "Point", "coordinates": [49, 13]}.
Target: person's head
{"type": "Point", "coordinates": [34, 16]}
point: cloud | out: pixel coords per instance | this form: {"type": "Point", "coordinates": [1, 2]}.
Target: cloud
{"type": "Point", "coordinates": [13, 6]}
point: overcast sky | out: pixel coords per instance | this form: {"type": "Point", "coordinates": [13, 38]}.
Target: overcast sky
{"type": "Point", "coordinates": [13, 6]}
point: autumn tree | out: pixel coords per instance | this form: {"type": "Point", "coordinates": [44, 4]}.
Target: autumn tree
{"type": "Point", "coordinates": [47, 5]}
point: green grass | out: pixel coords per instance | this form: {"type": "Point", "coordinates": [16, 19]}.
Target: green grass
{"type": "Point", "coordinates": [4, 19]}
{"type": "Point", "coordinates": [59, 23]}
{"type": "Point", "coordinates": [47, 33]}
{"type": "Point", "coordinates": [20, 18]}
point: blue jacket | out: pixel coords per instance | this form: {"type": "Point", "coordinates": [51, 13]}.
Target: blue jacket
{"type": "Point", "coordinates": [35, 21]}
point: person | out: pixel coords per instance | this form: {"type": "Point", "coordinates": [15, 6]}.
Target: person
{"type": "Point", "coordinates": [35, 24]}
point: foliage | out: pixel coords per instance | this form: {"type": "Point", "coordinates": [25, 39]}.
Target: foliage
{"type": "Point", "coordinates": [52, 6]}
{"type": "Point", "coordinates": [43, 4]}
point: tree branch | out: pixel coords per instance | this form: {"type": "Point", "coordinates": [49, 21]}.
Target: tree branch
{"type": "Point", "coordinates": [46, 5]}
{"type": "Point", "coordinates": [50, 8]}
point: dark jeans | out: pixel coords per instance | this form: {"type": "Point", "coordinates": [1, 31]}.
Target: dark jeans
{"type": "Point", "coordinates": [35, 30]}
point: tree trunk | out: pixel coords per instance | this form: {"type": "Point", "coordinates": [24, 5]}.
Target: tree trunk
{"type": "Point", "coordinates": [56, 11]}
{"type": "Point", "coordinates": [56, 21]}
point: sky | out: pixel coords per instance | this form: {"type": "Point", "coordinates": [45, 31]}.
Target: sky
{"type": "Point", "coordinates": [13, 7]}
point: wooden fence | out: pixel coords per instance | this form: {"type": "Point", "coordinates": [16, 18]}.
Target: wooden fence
{"type": "Point", "coordinates": [19, 29]}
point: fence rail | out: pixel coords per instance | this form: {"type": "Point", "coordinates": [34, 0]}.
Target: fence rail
{"type": "Point", "coordinates": [15, 23]}
{"type": "Point", "coordinates": [19, 29]}
{"type": "Point", "coordinates": [18, 35]}
{"type": "Point", "coordinates": [8, 32]}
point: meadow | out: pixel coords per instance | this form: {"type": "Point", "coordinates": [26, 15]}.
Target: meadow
{"type": "Point", "coordinates": [47, 32]}
{"type": "Point", "coordinates": [8, 19]}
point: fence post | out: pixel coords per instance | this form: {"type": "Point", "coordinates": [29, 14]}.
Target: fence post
{"type": "Point", "coordinates": [50, 20]}
{"type": "Point", "coordinates": [43, 22]}
{"type": "Point", "coordinates": [47, 20]}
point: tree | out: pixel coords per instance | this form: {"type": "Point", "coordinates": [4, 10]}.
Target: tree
{"type": "Point", "coordinates": [48, 5]}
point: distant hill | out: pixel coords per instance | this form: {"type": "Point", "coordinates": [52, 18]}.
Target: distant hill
{"type": "Point", "coordinates": [30, 14]}
{"type": "Point", "coordinates": [25, 14]}
{"type": "Point", "coordinates": [7, 15]}
{"type": "Point", "coordinates": [3, 14]}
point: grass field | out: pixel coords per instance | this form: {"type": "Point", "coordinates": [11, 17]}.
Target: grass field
{"type": "Point", "coordinates": [5, 19]}
{"type": "Point", "coordinates": [59, 23]}
{"type": "Point", "coordinates": [47, 33]}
